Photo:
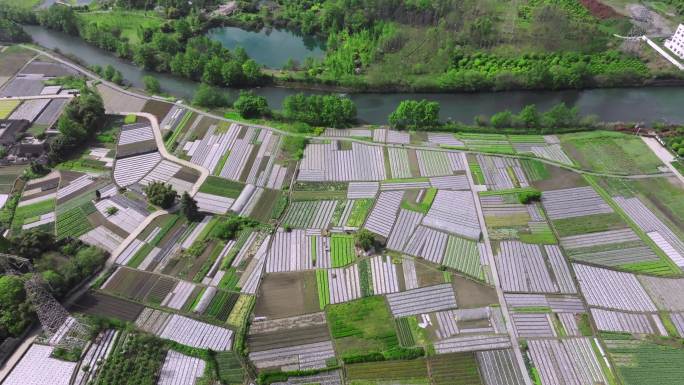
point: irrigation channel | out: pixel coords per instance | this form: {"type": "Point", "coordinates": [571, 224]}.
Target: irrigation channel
{"type": "Point", "coordinates": [645, 104]}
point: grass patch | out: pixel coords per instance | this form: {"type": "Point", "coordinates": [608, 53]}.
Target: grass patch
{"type": "Point", "coordinates": [425, 203]}
{"type": "Point", "coordinates": [535, 170]}
{"type": "Point", "coordinates": [222, 187]}
{"type": "Point", "coordinates": [127, 22]}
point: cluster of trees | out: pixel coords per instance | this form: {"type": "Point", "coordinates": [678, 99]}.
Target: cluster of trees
{"type": "Point", "coordinates": [175, 46]}
{"type": "Point", "coordinates": [40, 248]}
{"type": "Point", "coordinates": [415, 114]}
{"type": "Point", "coordinates": [109, 73]}
{"type": "Point", "coordinates": [161, 194]}
{"type": "Point", "coordinates": [12, 32]}
{"type": "Point", "coordinates": [249, 105]}
{"type": "Point", "coordinates": [230, 226]}
{"type": "Point", "coordinates": [320, 110]}
{"type": "Point", "coordinates": [81, 118]}
{"type": "Point", "coordinates": [559, 116]}
{"type": "Point", "coordinates": [172, 8]}
{"type": "Point", "coordinates": [210, 97]}
{"type": "Point", "coordinates": [151, 84]}
{"type": "Point", "coordinates": [529, 195]}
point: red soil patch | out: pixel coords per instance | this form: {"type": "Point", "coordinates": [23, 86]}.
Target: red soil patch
{"type": "Point", "coordinates": [599, 9]}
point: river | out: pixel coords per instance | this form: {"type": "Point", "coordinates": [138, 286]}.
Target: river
{"type": "Point", "coordinates": [646, 104]}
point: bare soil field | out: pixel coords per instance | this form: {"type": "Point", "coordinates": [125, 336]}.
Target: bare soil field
{"type": "Point", "coordinates": [287, 294]}
{"type": "Point", "coordinates": [473, 294]}
{"type": "Point", "coordinates": [104, 305]}
{"type": "Point", "coordinates": [560, 178]}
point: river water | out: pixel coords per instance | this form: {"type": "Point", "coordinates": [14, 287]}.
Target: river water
{"type": "Point", "coordinates": [646, 104]}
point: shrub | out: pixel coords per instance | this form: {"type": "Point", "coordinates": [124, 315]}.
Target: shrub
{"type": "Point", "coordinates": [528, 196]}
{"type": "Point", "coordinates": [160, 194]}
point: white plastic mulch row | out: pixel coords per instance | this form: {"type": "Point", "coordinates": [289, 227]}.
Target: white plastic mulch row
{"type": "Point", "coordinates": [678, 322]}
{"type": "Point", "coordinates": [450, 182]}
{"type": "Point", "coordinates": [242, 254]}
{"type": "Point", "coordinates": [439, 163]}
{"type": "Point", "coordinates": [528, 325]}
{"type": "Point", "coordinates": [277, 177]}
{"type": "Point", "coordinates": [522, 268]}
{"type": "Point", "coordinates": [135, 134]}
{"type": "Point", "coordinates": [208, 152]}
{"type": "Point", "coordinates": [188, 331]}
{"type": "Point", "coordinates": [560, 269]}
{"type": "Point", "coordinates": [126, 218]}
{"type": "Point", "coordinates": [179, 295]}
{"type": "Point", "coordinates": [383, 215]}
{"type": "Point", "coordinates": [599, 238]}
{"type": "Point", "coordinates": [260, 173]}
{"type": "Point", "coordinates": [179, 369]}
{"type": "Point", "coordinates": [249, 281]}
{"type": "Point", "coordinates": [237, 159]}
{"type": "Point", "coordinates": [472, 343]}
{"type": "Point", "coordinates": [195, 232]}
{"type": "Point", "coordinates": [324, 162]}
{"type": "Point", "coordinates": [42, 220]}
{"type": "Point", "coordinates": [390, 186]}
{"type": "Point", "coordinates": [302, 357]}
{"type": "Point", "coordinates": [29, 110]}
{"type": "Point", "coordinates": [558, 304]}
{"type": "Point", "coordinates": [614, 321]}
{"type": "Point", "coordinates": [499, 367]}
{"type": "Point", "coordinates": [552, 152]}
{"type": "Point", "coordinates": [325, 378]}
{"type": "Point", "coordinates": [567, 361]}
{"type": "Point", "coordinates": [384, 274]}
{"type": "Point", "coordinates": [31, 201]}
{"type": "Point", "coordinates": [574, 202]}
{"type": "Point", "coordinates": [344, 284]}
{"type": "Point", "coordinates": [337, 132]}
{"type": "Point", "coordinates": [125, 256]}
{"type": "Point", "coordinates": [384, 135]}
{"type": "Point", "coordinates": [310, 214]}
{"type": "Point", "coordinates": [205, 300]}
{"type": "Point", "coordinates": [133, 168]}
{"type": "Point", "coordinates": [612, 289]}
{"type": "Point", "coordinates": [422, 300]}
{"type": "Point", "coordinates": [406, 224]}
{"type": "Point", "coordinates": [497, 172]}
{"type": "Point", "coordinates": [444, 139]}
{"type": "Point", "coordinates": [399, 163]}
{"type": "Point", "coordinates": [290, 251]}
{"type": "Point", "coordinates": [656, 229]}
{"type": "Point", "coordinates": [665, 292]}
{"type": "Point", "coordinates": [214, 204]}
{"type": "Point", "coordinates": [96, 356]}
{"type": "Point", "coordinates": [244, 198]}
{"type": "Point", "coordinates": [408, 266]}
{"type": "Point", "coordinates": [36, 367]}
{"type": "Point", "coordinates": [569, 323]}
{"type": "Point", "coordinates": [428, 244]}
{"type": "Point", "coordinates": [102, 237]}
{"type": "Point", "coordinates": [172, 117]}
{"type": "Point", "coordinates": [75, 185]}
{"type": "Point", "coordinates": [454, 212]}
{"type": "Point", "coordinates": [447, 324]}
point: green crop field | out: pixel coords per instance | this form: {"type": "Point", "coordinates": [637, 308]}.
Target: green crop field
{"type": "Point", "coordinates": [229, 368]}
{"type": "Point", "coordinates": [7, 106]}
{"type": "Point", "coordinates": [31, 213]}
{"type": "Point", "coordinates": [124, 368]}
{"type": "Point", "coordinates": [476, 170]}
{"type": "Point", "coordinates": [323, 288]}
{"type": "Point", "coordinates": [222, 187]}
{"type": "Point", "coordinates": [74, 222]}
{"type": "Point", "coordinates": [221, 305]}
{"type": "Point", "coordinates": [412, 372]}
{"type": "Point", "coordinates": [359, 212]}
{"type": "Point", "coordinates": [611, 152]}
{"type": "Point", "coordinates": [588, 224]}
{"type": "Point", "coordinates": [361, 327]}
{"type": "Point", "coordinates": [540, 232]}
{"type": "Point", "coordinates": [646, 363]}
{"type": "Point", "coordinates": [342, 250]}
{"type": "Point", "coordinates": [462, 254]}
{"type": "Point", "coordinates": [425, 203]}
{"type": "Point", "coordinates": [535, 170]}
{"type": "Point", "coordinates": [454, 369]}
{"type": "Point", "coordinates": [404, 332]}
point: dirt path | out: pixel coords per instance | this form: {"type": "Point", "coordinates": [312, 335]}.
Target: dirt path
{"type": "Point", "coordinates": [664, 155]}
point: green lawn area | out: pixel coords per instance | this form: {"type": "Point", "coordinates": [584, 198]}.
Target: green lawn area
{"type": "Point", "coordinates": [362, 327]}
{"type": "Point", "coordinates": [610, 152]}
{"type": "Point", "coordinates": [222, 187]}
{"type": "Point", "coordinates": [588, 224]}
{"type": "Point", "coordinates": [128, 22]}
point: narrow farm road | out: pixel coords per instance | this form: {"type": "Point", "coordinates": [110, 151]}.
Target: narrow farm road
{"type": "Point", "coordinates": [495, 275]}
{"type": "Point", "coordinates": [664, 155]}
{"type": "Point", "coordinates": [38, 97]}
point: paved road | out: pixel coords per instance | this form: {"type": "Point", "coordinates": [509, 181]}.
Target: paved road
{"type": "Point", "coordinates": [664, 155]}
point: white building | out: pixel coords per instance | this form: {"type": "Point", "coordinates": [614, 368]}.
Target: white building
{"type": "Point", "coordinates": [676, 42]}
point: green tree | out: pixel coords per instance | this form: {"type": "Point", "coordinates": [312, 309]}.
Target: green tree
{"type": "Point", "coordinates": [32, 243]}
{"type": "Point", "coordinates": [189, 207]}
{"type": "Point", "coordinates": [250, 105]}
{"type": "Point", "coordinates": [364, 239]}
{"type": "Point", "coordinates": [320, 110]}
{"type": "Point", "coordinates": [529, 116]}
{"type": "Point", "coordinates": [529, 196]}
{"type": "Point", "coordinates": [15, 312]}
{"type": "Point", "coordinates": [502, 119]}
{"type": "Point", "coordinates": [415, 114]}
{"type": "Point", "coordinates": [108, 72]}
{"type": "Point", "coordinates": [117, 78]}
{"type": "Point", "coordinates": [251, 71]}
{"type": "Point", "coordinates": [210, 97]}
{"type": "Point", "coordinates": [151, 84]}
{"type": "Point", "coordinates": [160, 194]}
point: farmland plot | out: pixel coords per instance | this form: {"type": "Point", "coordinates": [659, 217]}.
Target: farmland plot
{"type": "Point", "coordinates": [184, 330]}
{"type": "Point", "coordinates": [454, 212]}
{"type": "Point", "coordinates": [344, 284]}
{"type": "Point", "coordinates": [249, 281]}
{"type": "Point", "coordinates": [451, 182]}
{"type": "Point", "coordinates": [612, 289]}
{"type": "Point", "coordinates": [614, 321]}
{"type": "Point", "coordinates": [439, 163]}
{"type": "Point", "coordinates": [428, 244]}
{"type": "Point", "coordinates": [407, 222]}
{"type": "Point", "coordinates": [362, 190]}
{"type": "Point", "coordinates": [324, 162]}
{"type": "Point", "coordinates": [128, 214]}
{"type": "Point", "coordinates": [208, 151]}
{"type": "Point", "coordinates": [499, 367]}
{"type": "Point", "coordinates": [240, 153]}
{"type": "Point", "coordinates": [7, 106]}
{"type": "Point", "coordinates": [412, 372]}
{"type": "Point", "coordinates": [646, 363]}
{"type": "Point", "coordinates": [570, 361]}
{"type": "Point", "coordinates": [135, 133]}
{"type": "Point", "coordinates": [423, 300]}
{"type": "Point", "coordinates": [574, 202]}
{"type": "Point", "coordinates": [97, 353]}
{"type": "Point", "coordinates": [358, 213]}
{"type": "Point", "coordinates": [528, 325]}
{"type": "Point", "coordinates": [444, 140]}
{"type": "Point", "coordinates": [179, 369]}
{"type": "Point", "coordinates": [326, 378]}
{"type": "Point", "coordinates": [310, 214]}
{"type": "Point", "coordinates": [337, 132]}
{"type": "Point", "coordinates": [384, 135]}
{"type": "Point", "coordinates": [557, 304]}
{"type": "Point", "coordinates": [383, 215]}
{"type": "Point", "coordinates": [609, 248]}
{"type": "Point", "coordinates": [665, 292]}
{"type": "Point", "coordinates": [130, 170]}
{"type": "Point", "coordinates": [454, 369]}
{"type": "Point", "coordinates": [501, 173]}
{"type": "Point", "coordinates": [29, 110]}
{"type": "Point", "coordinates": [463, 255]}
{"type": "Point", "coordinates": [37, 367]}
{"type": "Point", "coordinates": [472, 343]}
{"type": "Point", "coordinates": [384, 274]}
{"type": "Point", "coordinates": [290, 251]}
{"type": "Point", "coordinates": [214, 204]}
{"type": "Point", "coordinates": [522, 268]}
{"type": "Point", "coordinates": [399, 163]}
{"type": "Point", "coordinates": [166, 171]}
{"type": "Point", "coordinates": [658, 231]}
